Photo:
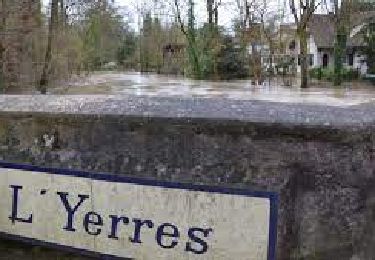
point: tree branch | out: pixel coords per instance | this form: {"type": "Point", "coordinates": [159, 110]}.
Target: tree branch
{"type": "Point", "coordinates": [294, 10]}
{"type": "Point", "coordinates": [183, 30]}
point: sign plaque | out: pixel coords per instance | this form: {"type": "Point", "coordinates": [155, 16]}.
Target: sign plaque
{"type": "Point", "coordinates": [124, 217]}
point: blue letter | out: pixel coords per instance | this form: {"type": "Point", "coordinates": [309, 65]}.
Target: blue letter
{"type": "Point", "coordinates": [137, 230]}
{"type": "Point", "coordinates": [160, 233]}
{"type": "Point", "coordinates": [98, 221]}
{"type": "Point", "coordinates": [198, 241]}
{"type": "Point", "coordinates": [14, 216]}
{"type": "Point", "coordinates": [70, 211]}
{"type": "Point", "coordinates": [115, 221]}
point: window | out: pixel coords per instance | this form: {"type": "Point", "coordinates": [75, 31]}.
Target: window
{"type": "Point", "coordinates": [351, 59]}
{"type": "Point", "coordinates": [292, 45]}
{"type": "Point", "coordinates": [325, 60]}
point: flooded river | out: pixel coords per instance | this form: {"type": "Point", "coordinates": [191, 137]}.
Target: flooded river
{"type": "Point", "coordinates": [132, 83]}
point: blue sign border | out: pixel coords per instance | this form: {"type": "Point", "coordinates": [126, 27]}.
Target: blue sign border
{"type": "Point", "coordinates": [272, 196]}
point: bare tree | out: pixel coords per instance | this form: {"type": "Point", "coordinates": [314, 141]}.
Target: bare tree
{"type": "Point", "coordinates": [302, 11]}
{"type": "Point", "coordinates": [190, 35]}
{"type": "Point", "coordinates": [248, 10]}
{"type": "Point", "coordinates": [210, 11]}
{"type": "Point", "coordinates": [48, 58]}
{"type": "Point", "coordinates": [213, 12]}
{"type": "Point", "coordinates": [2, 47]}
{"type": "Point", "coordinates": [341, 15]}
{"type": "Point", "coordinates": [18, 23]}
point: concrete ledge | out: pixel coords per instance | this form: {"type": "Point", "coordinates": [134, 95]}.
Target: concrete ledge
{"type": "Point", "coordinates": [193, 108]}
{"type": "Point", "coordinates": [319, 158]}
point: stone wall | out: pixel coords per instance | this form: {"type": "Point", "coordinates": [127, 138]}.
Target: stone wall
{"type": "Point", "coordinates": [324, 173]}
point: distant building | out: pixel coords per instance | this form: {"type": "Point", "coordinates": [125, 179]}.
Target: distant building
{"type": "Point", "coordinates": [173, 58]}
{"type": "Point", "coordinates": [321, 41]}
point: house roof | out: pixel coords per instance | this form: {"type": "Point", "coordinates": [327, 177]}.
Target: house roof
{"type": "Point", "coordinates": [322, 28]}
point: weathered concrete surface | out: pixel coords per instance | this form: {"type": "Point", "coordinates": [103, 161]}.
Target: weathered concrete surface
{"type": "Point", "coordinates": [319, 158]}
{"type": "Point", "coordinates": [251, 111]}
{"type": "Point", "coordinates": [20, 251]}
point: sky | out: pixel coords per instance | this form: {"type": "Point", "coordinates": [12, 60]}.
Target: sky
{"type": "Point", "coordinates": [227, 11]}
{"type": "Point", "coordinates": [226, 15]}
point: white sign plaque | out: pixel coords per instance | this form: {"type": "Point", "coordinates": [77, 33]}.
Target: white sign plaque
{"type": "Point", "coordinates": [125, 217]}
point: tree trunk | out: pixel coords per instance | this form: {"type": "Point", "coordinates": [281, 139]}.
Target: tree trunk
{"type": "Point", "coordinates": [370, 49]}
{"type": "Point", "coordinates": [303, 58]}
{"type": "Point", "coordinates": [12, 40]}
{"type": "Point", "coordinates": [2, 45]}
{"type": "Point", "coordinates": [48, 57]}
{"type": "Point", "coordinates": [339, 53]}
{"type": "Point", "coordinates": [216, 16]}
{"type": "Point", "coordinates": [62, 14]}
{"type": "Point", "coordinates": [190, 37]}
{"type": "Point", "coordinates": [193, 57]}
{"type": "Point", "coordinates": [192, 45]}
{"type": "Point", "coordinates": [342, 21]}
{"type": "Point", "coordinates": [3, 19]}
{"type": "Point", "coordinates": [210, 12]}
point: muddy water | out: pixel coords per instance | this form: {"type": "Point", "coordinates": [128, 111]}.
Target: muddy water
{"type": "Point", "coordinates": [129, 83]}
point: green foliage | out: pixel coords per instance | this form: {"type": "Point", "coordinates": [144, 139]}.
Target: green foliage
{"type": "Point", "coordinates": [192, 49]}
{"type": "Point", "coordinates": [1, 82]}
{"type": "Point", "coordinates": [127, 50]}
{"type": "Point", "coordinates": [230, 64]}
{"type": "Point", "coordinates": [350, 74]}
{"type": "Point", "coordinates": [218, 56]}
{"type": "Point", "coordinates": [316, 73]}
{"type": "Point", "coordinates": [208, 41]}
{"type": "Point", "coordinates": [370, 48]}
{"type": "Point", "coordinates": [103, 36]}
{"type": "Point", "coordinates": [151, 42]}
{"type": "Point", "coordinates": [146, 42]}
{"type": "Point", "coordinates": [329, 74]}
{"type": "Point", "coordinates": [339, 54]}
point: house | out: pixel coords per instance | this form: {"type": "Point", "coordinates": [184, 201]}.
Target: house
{"type": "Point", "coordinates": [321, 40]}
{"type": "Point", "coordinates": [263, 48]}
{"type": "Point", "coordinates": [173, 58]}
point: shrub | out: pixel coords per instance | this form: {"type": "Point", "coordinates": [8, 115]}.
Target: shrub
{"type": "Point", "coordinates": [328, 74]}
{"type": "Point", "coordinates": [350, 74]}
{"type": "Point", "coordinates": [316, 73]}
{"type": "Point", "coordinates": [230, 64]}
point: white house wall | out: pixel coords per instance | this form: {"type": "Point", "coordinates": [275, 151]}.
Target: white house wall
{"type": "Point", "coordinates": [330, 58]}
{"type": "Point", "coordinates": [359, 63]}
{"type": "Point", "coordinates": [313, 49]}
